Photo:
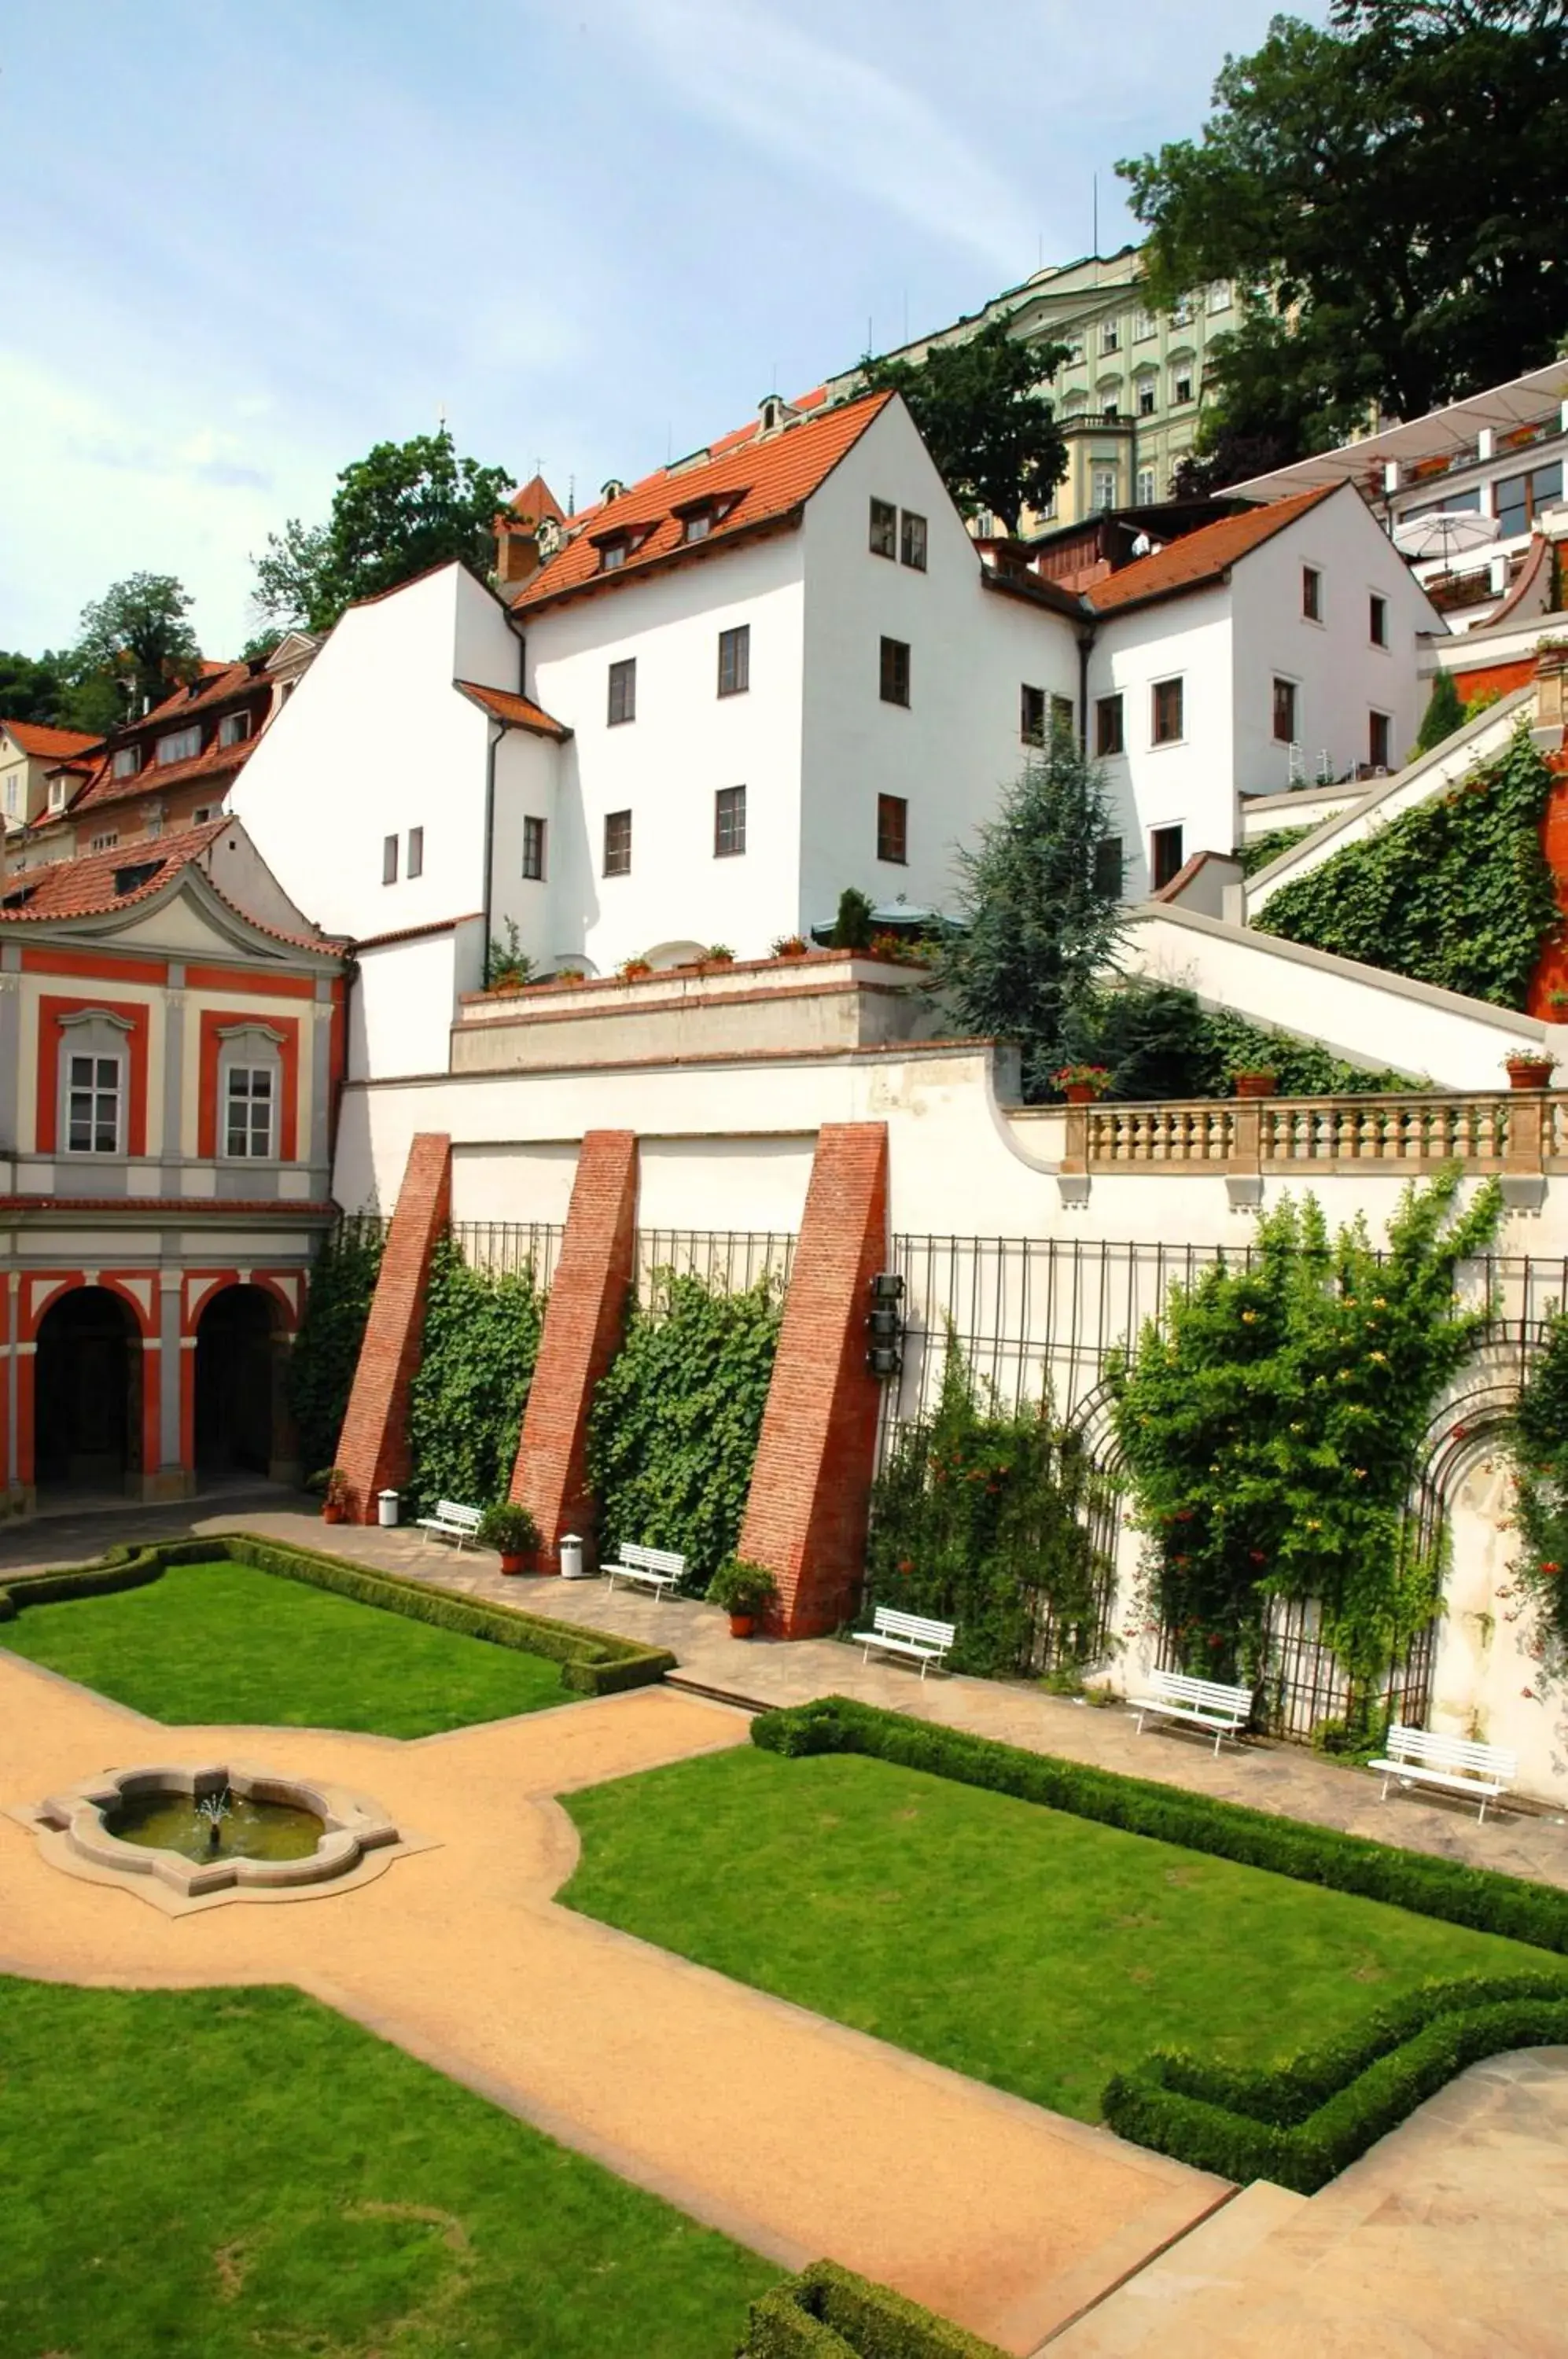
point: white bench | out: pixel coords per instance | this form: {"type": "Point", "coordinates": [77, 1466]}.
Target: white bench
{"type": "Point", "coordinates": [914, 1635]}
{"type": "Point", "coordinates": [453, 1522]}
{"type": "Point", "coordinates": [1417, 1758]}
{"type": "Point", "coordinates": [659, 1569]}
{"type": "Point", "coordinates": [1208, 1704]}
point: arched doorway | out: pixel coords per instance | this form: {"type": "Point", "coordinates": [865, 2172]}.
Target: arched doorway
{"type": "Point", "coordinates": [235, 1382]}
{"type": "Point", "coordinates": [87, 1393]}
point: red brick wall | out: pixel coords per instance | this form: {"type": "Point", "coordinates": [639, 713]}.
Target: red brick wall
{"type": "Point", "coordinates": [810, 1486]}
{"type": "Point", "coordinates": [1499, 679]}
{"type": "Point", "coordinates": [372, 1450]}
{"type": "Point", "coordinates": [582, 1325]}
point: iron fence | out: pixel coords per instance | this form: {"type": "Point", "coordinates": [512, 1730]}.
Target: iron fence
{"type": "Point", "coordinates": [728, 1261]}
{"type": "Point", "coordinates": [502, 1248]}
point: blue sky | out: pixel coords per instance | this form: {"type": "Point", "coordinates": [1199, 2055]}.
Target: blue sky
{"type": "Point", "coordinates": [238, 246]}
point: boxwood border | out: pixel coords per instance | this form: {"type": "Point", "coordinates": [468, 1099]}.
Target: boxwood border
{"type": "Point", "coordinates": [828, 2313]}
{"type": "Point", "coordinates": [592, 1662]}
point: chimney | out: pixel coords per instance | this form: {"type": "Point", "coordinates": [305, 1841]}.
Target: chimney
{"type": "Point", "coordinates": [516, 553]}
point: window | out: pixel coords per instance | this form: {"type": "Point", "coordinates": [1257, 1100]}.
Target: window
{"type": "Point", "coordinates": [698, 525]}
{"type": "Point", "coordinates": [1110, 408]}
{"type": "Point", "coordinates": [389, 860]}
{"type": "Point", "coordinates": [234, 728]}
{"type": "Point", "coordinates": [104, 842]}
{"type": "Point", "coordinates": [128, 761]}
{"type": "Point", "coordinates": [895, 672]}
{"type": "Point", "coordinates": [623, 692]}
{"type": "Point", "coordinates": [248, 1128]}
{"type": "Point", "coordinates": [1379, 729]}
{"type": "Point", "coordinates": [1147, 395]}
{"type": "Point", "coordinates": [416, 851]}
{"type": "Point", "coordinates": [1111, 336]}
{"type": "Point", "coordinates": [884, 528]}
{"type": "Point", "coordinates": [1148, 492]}
{"type": "Point", "coordinates": [1219, 295]}
{"type": "Point", "coordinates": [729, 823]}
{"type": "Point", "coordinates": [1181, 311]}
{"type": "Point", "coordinates": [612, 554]}
{"type": "Point", "coordinates": [1520, 499]}
{"type": "Point", "coordinates": [735, 660]}
{"type": "Point", "coordinates": [11, 793]}
{"type": "Point", "coordinates": [1164, 856]}
{"type": "Point", "coordinates": [1144, 324]}
{"type": "Point", "coordinates": [893, 829]}
{"type": "Point", "coordinates": [180, 744]}
{"type": "Point", "coordinates": [533, 850]}
{"type": "Point", "coordinates": [1181, 383]}
{"type": "Point", "coordinates": [1167, 715]}
{"type": "Point", "coordinates": [93, 1106]}
{"type": "Point", "coordinates": [912, 540]}
{"type": "Point", "coordinates": [1031, 714]}
{"type": "Point", "coordinates": [1377, 620]}
{"type": "Point", "coordinates": [1062, 716]}
{"type": "Point", "coordinates": [618, 843]}
{"type": "Point", "coordinates": [1104, 491]}
{"type": "Point", "coordinates": [1285, 729]}
{"type": "Point", "coordinates": [57, 794]}
{"type": "Point", "coordinates": [1312, 595]}
{"type": "Point", "coordinates": [154, 822]}
{"type": "Point", "coordinates": [205, 812]}
{"type": "Point", "coordinates": [1108, 738]}
{"type": "Point", "coordinates": [1109, 865]}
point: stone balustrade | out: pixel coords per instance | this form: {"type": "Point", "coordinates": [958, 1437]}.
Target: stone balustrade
{"type": "Point", "coordinates": [1519, 1133]}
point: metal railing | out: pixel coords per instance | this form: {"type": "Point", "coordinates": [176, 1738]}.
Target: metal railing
{"type": "Point", "coordinates": [502, 1248]}
{"type": "Point", "coordinates": [727, 1261]}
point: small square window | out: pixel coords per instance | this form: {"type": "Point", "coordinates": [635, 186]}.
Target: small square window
{"type": "Point", "coordinates": [1377, 620]}
{"type": "Point", "coordinates": [1108, 737]}
{"type": "Point", "coordinates": [389, 860]}
{"type": "Point", "coordinates": [884, 528]}
{"type": "Point", "coordinates": [1167, 715]}
{"type": "Point", "coordinates": [729, 823]}
{"type": "Point", "coordinates": [893, 829]}
{"type": "Point", "coordinates": [1311, 594]}
{"type": "Point", "coordinates": [912, 540]}
{"type": "Point", "coordinates": [1031, 714]}
{"type": "Point", "coordinates": [203, 811]}
{"type": "Point", "coordinates": [1285, 730]}
{"type": "Point", "coordinates": [623, 692]}
{"type": "Point", "coordinates": [1109, 867]}
{"type": "Point", "coordinates": [895, 672]}
{"type": "Point", "coordinates": [698, 525]}
{"type": "Point", "coordinates": [104, 842]}
{"type": "Point", "coordinates": [1165, 858]}
{"type": "Point", "coordinates": [1379, 731]}
{"type": "Point", "coordinates": [612, 555]}
{"type": "Point", "coordinates": [533, 849]}
{"type": "Point", "coordinates": [618, 843]}
{"type": "Point", "coordinates": [735, 660]}
{"type": "Point", "coordinates": [416, 851]}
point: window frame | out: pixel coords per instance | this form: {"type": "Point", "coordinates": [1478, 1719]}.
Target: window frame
{"type": "Point", "coordinates": [249, 1098]}
{"type": "Point", "coordinates": [893, 672]}
{"type": "Point", "coordinates": [390, 846]}
{"type": "Point", "coordinates": [126, 762]}
{"type": "Point", "coordinates": [536, 837]}
{"type": "Point", "coordinates": [414, 860]}
{"type": "Point", "coordinates": [1376, 719]}
{"type": "Point", "coordinates": [729, 818]}
{"type": "Point", "coordinates": [618, 845]}
{"type": "Point", "coordinates": [94, 1089]}
{"type": "Point", "coordinates": [913, 545]}
{"type": "Point", "coordinates": [620, 688]}
{"type": "Point", "coordinates": [893, 828]}
{"type": "Point", "coordinates": [235, 728]}
{"type": "Point", "coordinates": [1157, 735]}
{"type": "Point", "coordinates": [1104, 471]}
{"type": "Point", "coordinates": [1035, 734]}
{"type": "Point", "coordinates": [882, 532]}
{"type": "Point", "coordinates": [1286, 700]}
{"type": "Point", "coordinates": [1110, 723]}
{"type": "Point", "coordinates": [1312, 596]}
{"type": "Point", "coordinates": [1377, 621]}
{"type": "Point", "coordinates": [163, 760]}
{"type": "Point", "coordinates": [1158, 850]}
{"type": "Point", "coordinates": [736, 640]}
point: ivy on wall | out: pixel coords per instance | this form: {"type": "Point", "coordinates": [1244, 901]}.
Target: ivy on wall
{"type": "Point", "coordinates": [326, 1350]}
{"type": "Point", "coordinates": [1270, 1428]}
{"type": "Point", "coordinates": [1457, 893]}
{"type": "Point", "coordinates": [982, 1516]}
{"type": "Point", "coordinates": [676, 1418]}
{"type": "Point", "coordinates": [1155, 1041]}
{"type": "Point", "coordinates": [476, 1361]}
{"type": "Point", "coordinates": [1540, 1460]}
{"type": "Point", "coordinates": [1272, 846]}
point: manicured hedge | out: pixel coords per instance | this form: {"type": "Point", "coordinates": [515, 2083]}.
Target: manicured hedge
{"type": "Point", "coordinates": [1308, 2121]}
{"type": "Point", "coordinates": [592, 1662]}
{"type": "Point", "coordinates": [828, 2313]}
{"type": "Point", "coordinates": [1479, 1897]}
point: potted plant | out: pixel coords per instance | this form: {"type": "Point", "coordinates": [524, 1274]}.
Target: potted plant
{"type": "Point", "coordinates": [792, 946]}
{"type": "Point", "coordinates": [1081, 1084]}
{"type": "Point", "coordinates": [744, 1590]}
{"type": "Point", "coordinates": [570, 974]}
{"type": "Point", "coordinates": [718, 954]}
{"type": "Point", "coordinates": [1257, 1082]}
{"type": "Point", "coordinates": [1529, 1069]}
{"type": "Point", "coordinates": [332, 1485]}
{"type": "Point", "coordinates": [632, 970]}
{"type": "Point", "coordinates": [510, 1529]}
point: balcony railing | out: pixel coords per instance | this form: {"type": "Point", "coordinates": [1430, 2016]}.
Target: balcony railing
{"type": "Point", "coordinates": [1518, 1132]}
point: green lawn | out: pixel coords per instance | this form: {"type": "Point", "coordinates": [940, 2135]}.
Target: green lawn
{"type": "Point", "coordinates": [1036, 1950]}
{"type": "Point", "coordinates": [223, 1642]}
{"type": "Point", "coordinates": [218, 2173]}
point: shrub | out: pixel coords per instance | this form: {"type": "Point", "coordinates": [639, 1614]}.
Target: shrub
{"type": "Point", "coordinates": [326, 1350]}
{"type": "Point", "coordinates": [465, 1407]}
{"type": "Point", "coordinates": [1265, 849]}
{"type": "Point", "coordinates": [742, 1588]}
{"type": "Point", "coordinates": [1159, 1043]}
{"type": "Point", "coordinates": [1477, 1896]}
{"type": "Point", "coordinates": [828, 2313]}
{"type": "Point", "coordinates": [1540, 1448]}
{"type": "Point", "coordinates": [509, 1528]}
{"type": "Point", "coordinates": [852, 926]}
{"type": "Point", "coordinates": [675, 1420]}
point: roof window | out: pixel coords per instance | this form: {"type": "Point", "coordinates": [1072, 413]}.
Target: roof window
{"type": "Point", "coordinates": [132, 879]}
{"type": "Point", "coordinates": [180, 744]}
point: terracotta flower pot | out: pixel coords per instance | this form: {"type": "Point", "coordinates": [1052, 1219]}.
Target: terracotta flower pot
{"type": "Point", "coordinates": [1257, 1085]}
{"type": "Point", "coordinates": [331, 1512]}
{"type": "Point", "coordinates": [1081, 1093]}
{"type": "Point", "coordinates": [511, 1563]}
{"type": "Point", "coordinates": [742, 1625]}
{"type": "Point", "coordinates": [1531, 1072]}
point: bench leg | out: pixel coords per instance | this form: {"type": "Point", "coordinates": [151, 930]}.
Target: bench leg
{"type": "Point", "coordinates": [1481, 1813]}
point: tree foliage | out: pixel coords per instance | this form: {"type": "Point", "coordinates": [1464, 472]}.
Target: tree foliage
{"type": "Point", "coordinates": [982, 1516]}
{"type": "Point", "coordinates": [402, 509]}
{"type": "Point", "coordinates": [1540, 1472]}
{"type": "Point", "coordinates": [1155, 1041]}
{"type": "Point", "coordinates": [1386, 193]}
{"type": "Point", "coordinates": [676, 1419]}
{"type": "Point", "coordinates": [1445, 714]}
{"type": "Point", "coordinates": [991, 431]}
{"type": "Point", "coordinates": [136, 645]}
{"type": "Point", "coordinates": [1039, 918]}
{"type": "Point", "coordinates": [476, 1361]}
{"type": "Point", "coordinates": [1271, 1423]}
{"type": "Point", "coordinates": [326, 1350]}
{"type": "Point", "coordinates": [1456, 892]}
{"type": "Point", "coordinates": [36, 689]}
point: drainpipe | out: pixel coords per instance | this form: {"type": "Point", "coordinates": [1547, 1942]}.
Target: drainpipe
{"type": "Point", "coordinates": [1085, 647]}
{"type": "Point", "coordinates": [498, 730]}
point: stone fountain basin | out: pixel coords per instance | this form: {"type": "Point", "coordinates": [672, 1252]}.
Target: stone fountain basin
{"type": "Point", "coordinates": [351, 1825]}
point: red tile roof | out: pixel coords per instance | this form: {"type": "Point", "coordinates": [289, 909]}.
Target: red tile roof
{"type": "Point", "coordinates": [763, 476]}
{"type": "Point", "coordinates": [535, 501]}
{"type": "Point", "coordinates": [1199, 557]}
{"type": "Point", "coordinates": [85, 888]}
{"type": "Point", "coordinates": [36, 737]}
{"type": "Point", "coordinates": [217, 762]}
{"type": "Point", "coordinates": [218, 683]}
{"type": "Point", "coordinates": [518, 711]}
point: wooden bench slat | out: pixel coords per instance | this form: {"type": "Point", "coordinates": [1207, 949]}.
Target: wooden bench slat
{"type": "Point", "coordinates": [1420, 1756]}
{"type": "Point", "coordinates": [1210, 1704]}
{"type": "Point", "coordinates": [922, 1637]}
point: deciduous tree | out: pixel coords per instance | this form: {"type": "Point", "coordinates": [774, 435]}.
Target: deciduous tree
{"type": "Point", "coordinates": [136, 644]}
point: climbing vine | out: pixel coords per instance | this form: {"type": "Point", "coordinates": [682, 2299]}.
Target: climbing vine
{"type": "Point", "coordinates": [984, 1517]}
{"type": "Point", "coordinates": [1270, 1426]}
{"type": "Point", "coordinates": [676, 1419]}
{"type": "Point", "coordinates": [1457, 893]}
{"type": "Point", "coordinates": [1540, 1463]}
{"type": "Point", "coordinates": [476, 1361]}
{"type": "Point", "coordinates": [326, 1350]}
{"type": "Point", "coordinates": [1155, 1041]}
{"type": "Point", "coordinates": [1265, 848]}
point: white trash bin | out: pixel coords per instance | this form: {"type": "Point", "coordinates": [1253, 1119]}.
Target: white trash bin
{"type": "Point", "coordinates": [571, 1568]}
{"type": "Point", "coordinates": [387, 1507]}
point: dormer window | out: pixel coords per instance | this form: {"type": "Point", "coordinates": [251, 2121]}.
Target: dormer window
{"type": "Point", "coordinates": [612, 553]}
{"type": "Point", "coordinates": [234, 728]}
{"type": "Point", "coordinates": [132, 879]}
{"type": "Point", "coordinates": [698, 525]}
{"type": "Point", "coordinates": [128, 761]}
{"type": "Point", "coordinates": [180, 744]}
{"type": "Point", "coordinates": [56, 794]}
